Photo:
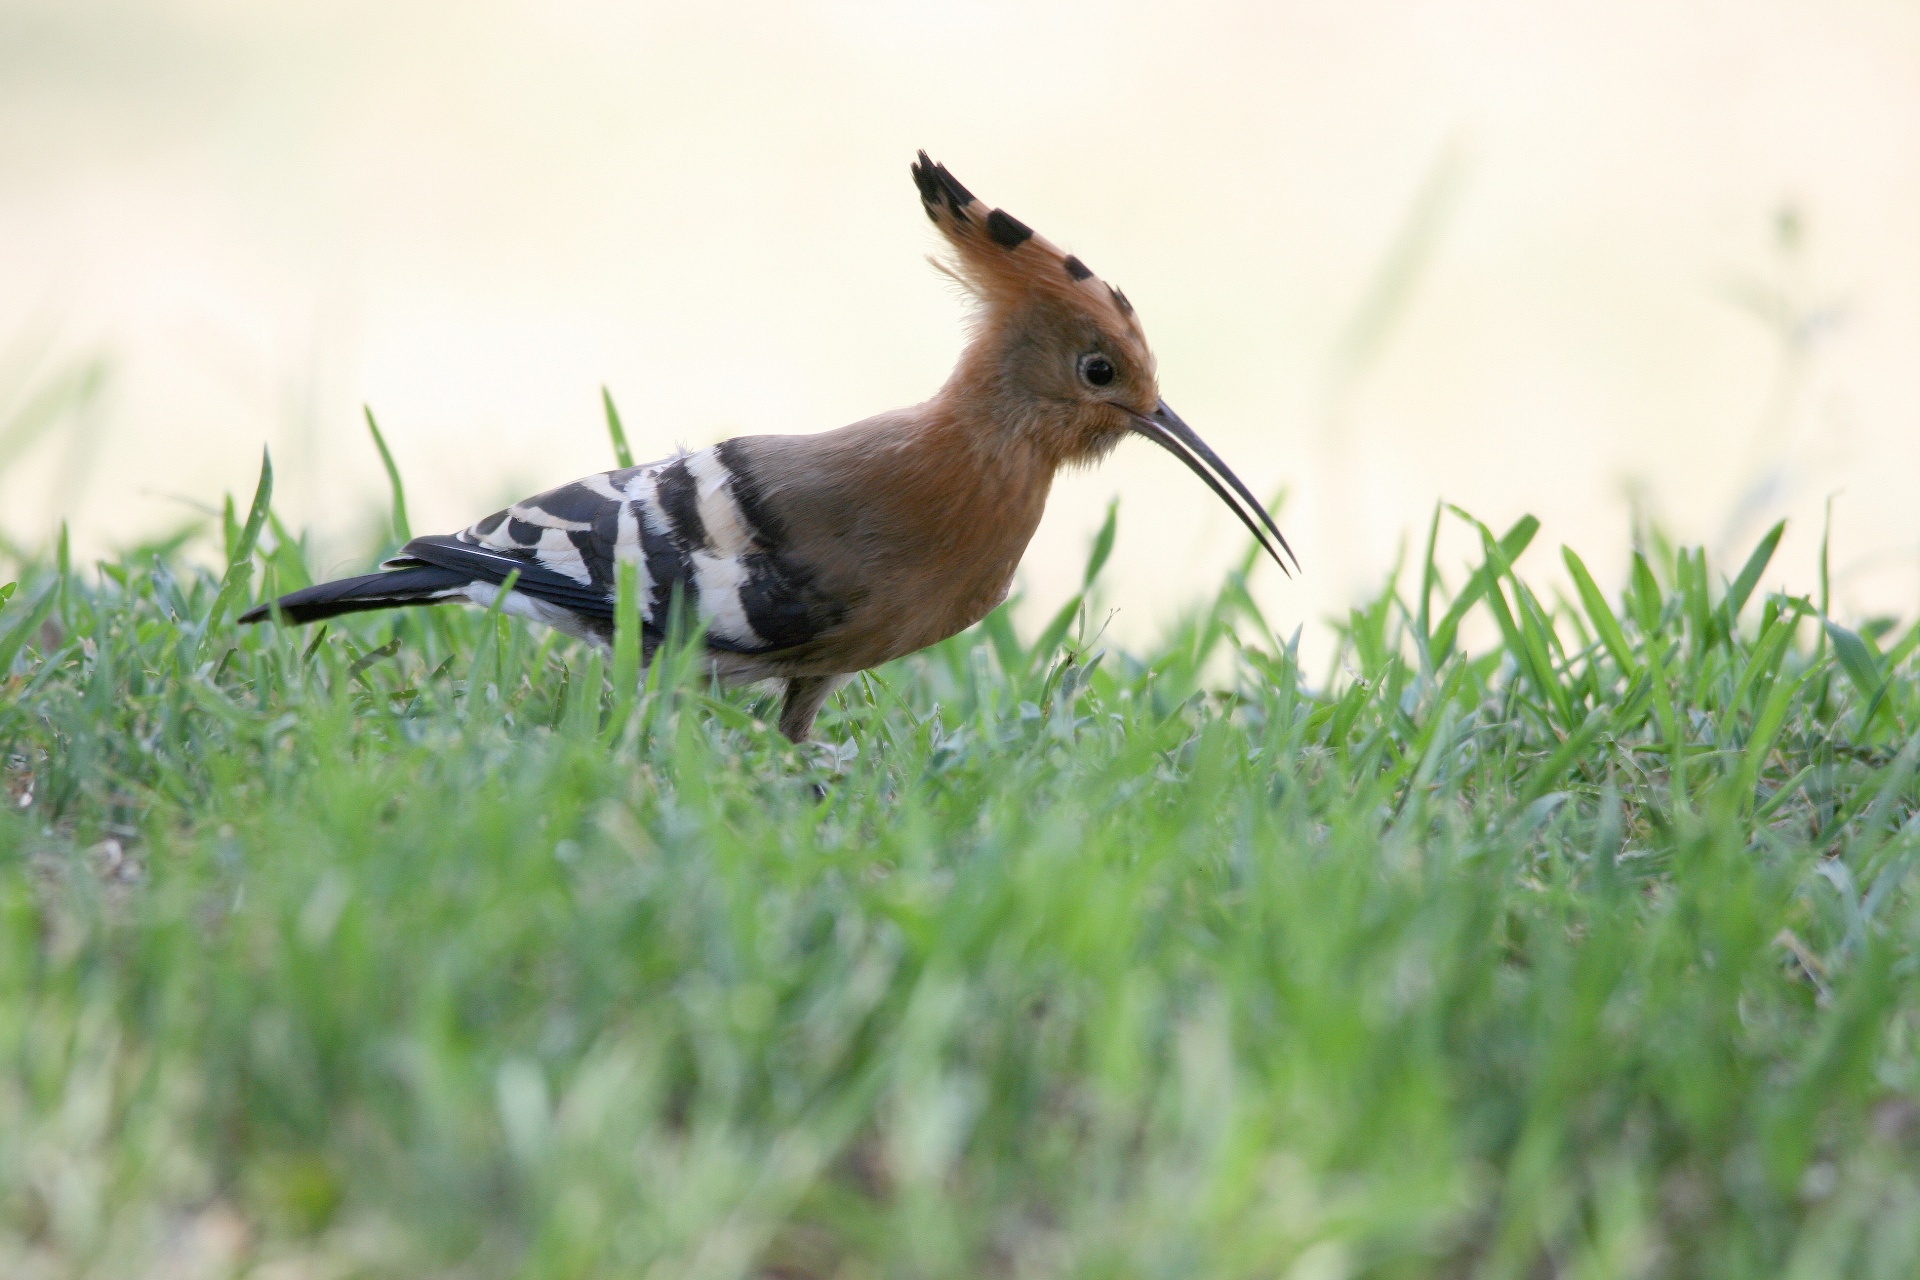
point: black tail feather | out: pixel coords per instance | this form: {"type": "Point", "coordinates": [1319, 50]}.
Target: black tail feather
{"type": "Point", "coordinates": [391, 590]}
{"type": "Point", "coordinates": [531, 578]}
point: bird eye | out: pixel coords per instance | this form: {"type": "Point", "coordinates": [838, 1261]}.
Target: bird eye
{"type": "Point", "coordinates": [1097, 371]}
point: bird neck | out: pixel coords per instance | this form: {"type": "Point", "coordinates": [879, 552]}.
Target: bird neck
{"type": "Point", "coordinates": [967, 494]}
{"type": "Point", "coordinates": [990, 402]}
{"type": "Point", "coordinates": [981, 455]}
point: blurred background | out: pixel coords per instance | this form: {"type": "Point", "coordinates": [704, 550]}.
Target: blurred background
{"type": "Point", "coordinates": [1576, 261]}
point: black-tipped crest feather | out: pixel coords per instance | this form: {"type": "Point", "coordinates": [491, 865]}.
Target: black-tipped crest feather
{"type": "Point", "coordinates": [936, 184]}
{"type": "Point", "coordinates": [1007, 231]}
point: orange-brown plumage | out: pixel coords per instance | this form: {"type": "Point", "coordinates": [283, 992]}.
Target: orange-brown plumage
{"type": "Point", "coordinates": [814, 557]}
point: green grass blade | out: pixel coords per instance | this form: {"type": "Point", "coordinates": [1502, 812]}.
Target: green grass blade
{"type": "Point", "coordinates": [288, 560]}
{"type": "Point", "coordinates": [1647, 610]}
{"type": "Point", "coordinates": [581, 718]}
{"type": "Point", "coordinates": [229, 528]}
{"type": "Point", "coordinates": [627, 648]}
{"type": "Point", "coordinates": [1766, 729]}
{"type": "Point", "coordinates": [26, 626]}
{"type": "Point", "coordinates": [1522, 628]}
{"type": "Point", "coordinates": [1429, 583]}
{"type": "Point", "coordinates": [1764, 661]}
{"type": "Point", "coordinates": [998, 628]}
{"type": "Point", "coordinates": [402, 530]}
{"type": "Point", "coordinates": [1742, 587]}
{"type": "Point", "coordinates": [1512, 544]}
{"type": "Point", "coordinates": [1888, 796]}
{"type": "Point", "coordinates": [1605, 624]}
{"type": "Point", "coordinates": [1856, 658]}
{"type": "Point", "coordinates": [1536, 634]}
{"type": "Point", "coordinates": [1102, 545]}
{"type": "Point", "coordinates": [1054, 632]}
{"type": "Point", "coordinates": [622, 451]}
{"type": "Point", "coordinates": [1575, 747]}
{"type": "Point", "coordinates": [1692, 570]}
{"type": "Point", "coordinates": [240, 556]}
{"type": "Point", "coordinates": [489, 656]}
{"type": "Point", "coordinates": [1902, 649]}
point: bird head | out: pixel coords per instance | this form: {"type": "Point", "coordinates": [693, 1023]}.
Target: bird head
{"type": "Point", "coordinates": [1058, 355]}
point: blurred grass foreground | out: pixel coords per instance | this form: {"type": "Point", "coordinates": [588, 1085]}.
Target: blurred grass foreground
{"type": "Point", "coordinates": [414, 946]}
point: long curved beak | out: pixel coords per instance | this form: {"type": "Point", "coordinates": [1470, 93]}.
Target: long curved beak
{"type": "Point", "coordinates": [1165, 429]}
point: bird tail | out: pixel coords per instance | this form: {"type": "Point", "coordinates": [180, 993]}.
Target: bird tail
{"type": "Point", "coordinates": [394, 589]}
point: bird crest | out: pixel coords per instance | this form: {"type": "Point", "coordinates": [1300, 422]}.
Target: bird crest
{"type": "Point", "coordinates": [1003, 262]}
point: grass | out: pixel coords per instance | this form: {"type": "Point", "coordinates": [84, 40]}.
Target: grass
{"type": "Point", "coordinates": [411, 947]}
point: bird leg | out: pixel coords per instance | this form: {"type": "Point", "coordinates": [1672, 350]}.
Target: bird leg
{"type": "Point", "coordinates": [805, 696]}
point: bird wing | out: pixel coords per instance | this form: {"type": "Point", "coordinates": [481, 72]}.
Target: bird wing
{"type": "Point", "coordinates": [694, 523]}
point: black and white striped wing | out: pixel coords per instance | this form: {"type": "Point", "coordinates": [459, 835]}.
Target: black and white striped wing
{"type": "Point", "coordinates": [695, 522]}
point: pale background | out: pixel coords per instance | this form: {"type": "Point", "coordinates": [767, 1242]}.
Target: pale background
{"type": "Point", "coordinates": [1519, 255]}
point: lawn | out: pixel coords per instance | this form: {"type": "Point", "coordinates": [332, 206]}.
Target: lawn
{"type": "Point", "coordinates": [419, 946]}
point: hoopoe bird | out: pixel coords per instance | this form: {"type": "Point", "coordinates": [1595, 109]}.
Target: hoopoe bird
{"type": "Point", "coordinates": [810, 558]}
